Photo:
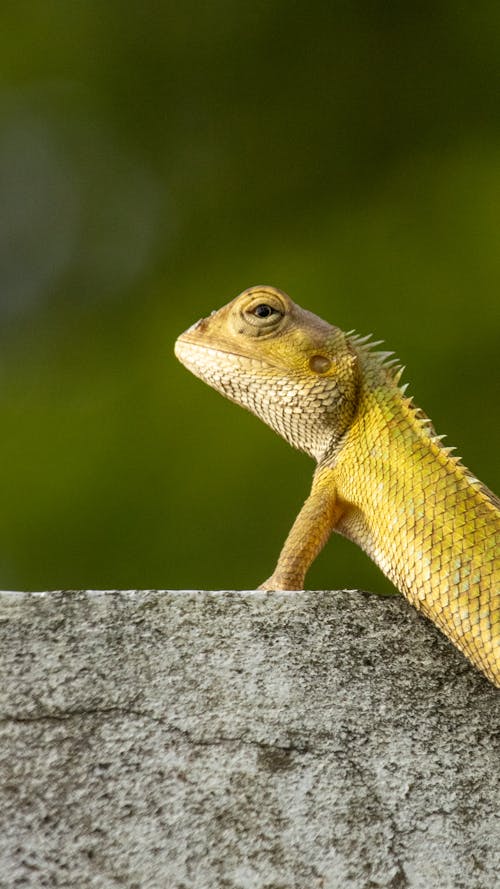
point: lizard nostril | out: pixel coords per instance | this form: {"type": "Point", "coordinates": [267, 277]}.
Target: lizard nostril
{"type": "Point", "coordinates": [198, 325]}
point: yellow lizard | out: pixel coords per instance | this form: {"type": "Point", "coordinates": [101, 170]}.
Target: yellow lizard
{"type": "Point", "coordinates": [383, 477]}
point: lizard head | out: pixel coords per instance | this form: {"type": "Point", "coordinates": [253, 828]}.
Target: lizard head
{"type": "Point", "coordinates": [295, 371]}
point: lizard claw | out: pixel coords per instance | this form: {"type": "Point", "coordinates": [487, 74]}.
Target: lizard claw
{"type": "Point", "coordinates": [267, 586]}
{"type": "Point", "coordinates": [276, 584]}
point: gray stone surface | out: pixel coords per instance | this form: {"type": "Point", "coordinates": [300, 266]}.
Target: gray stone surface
{"type": "Point", "coordinates": [190, 740]}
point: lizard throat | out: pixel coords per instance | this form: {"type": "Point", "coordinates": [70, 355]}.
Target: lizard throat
{"type": "Point", "coordinates": [304, 408]}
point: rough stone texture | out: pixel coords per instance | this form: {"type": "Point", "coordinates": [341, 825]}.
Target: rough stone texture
{"type": "Point", "coordinates": [241, 741]}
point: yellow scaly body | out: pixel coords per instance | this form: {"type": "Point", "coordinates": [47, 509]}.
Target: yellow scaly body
{"type": "Point", "coordinates": [383, 478]}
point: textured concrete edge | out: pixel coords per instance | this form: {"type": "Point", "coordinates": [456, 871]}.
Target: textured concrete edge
{"type": "Point", "coordinates": [11, 600]}
{"type": "Point", "coordinates": [348, 615]}
{"type": "Point", "coordinates": [16, 597]}
{"type": "Point", "coordinates": [131, 592]}
{"type": "Point", "coordinates": [195, 739]}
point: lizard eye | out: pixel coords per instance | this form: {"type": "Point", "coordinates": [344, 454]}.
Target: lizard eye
{"type": "Point", "coordinates": [263, 310]}
{"type": "Point", "coordinates": [262, 319]}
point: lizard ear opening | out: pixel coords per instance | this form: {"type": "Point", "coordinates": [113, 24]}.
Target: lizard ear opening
{"type": "Point", "coordinates": [320, 364]}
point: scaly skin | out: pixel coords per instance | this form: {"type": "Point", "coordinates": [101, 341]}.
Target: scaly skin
{"type": "Point", "coordinates": [383, 478]}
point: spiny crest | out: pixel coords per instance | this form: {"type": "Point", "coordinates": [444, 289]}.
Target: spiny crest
{"type": "Point", "coordinates": [385, 360]}
{"type": "Point", "coordinates": [422, 421]}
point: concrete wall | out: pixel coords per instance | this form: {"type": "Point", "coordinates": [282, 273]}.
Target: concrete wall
{"type": "Point", "coordinates": [172, 740]}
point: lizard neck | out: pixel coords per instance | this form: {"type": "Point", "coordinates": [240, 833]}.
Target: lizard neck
{"type": "Point", "coordinates": [398, 433]}
{"type": "Point", "coordinates": [412, 506]}
{"type": "Point", "coordinates": [388, 440]}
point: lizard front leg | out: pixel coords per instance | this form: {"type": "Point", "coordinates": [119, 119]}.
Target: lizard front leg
{"type": "Point", "coordinates": [308, 535]}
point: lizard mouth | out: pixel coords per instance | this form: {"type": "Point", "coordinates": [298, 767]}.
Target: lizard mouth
{"type": "Point", "coordinates": [184, 345]}
{"type": "Point", "coordinates": [187, 346]}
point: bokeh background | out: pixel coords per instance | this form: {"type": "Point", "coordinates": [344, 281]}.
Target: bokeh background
{"type": "Point", "coordinates": [158, 158]}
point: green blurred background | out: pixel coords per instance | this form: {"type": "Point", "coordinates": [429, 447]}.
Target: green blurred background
{"type": "Point", "coordinates": [158, 158]}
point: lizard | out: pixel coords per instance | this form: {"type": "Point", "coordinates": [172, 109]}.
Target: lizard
{"type": "Point", "coordinates": [383, 478]}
